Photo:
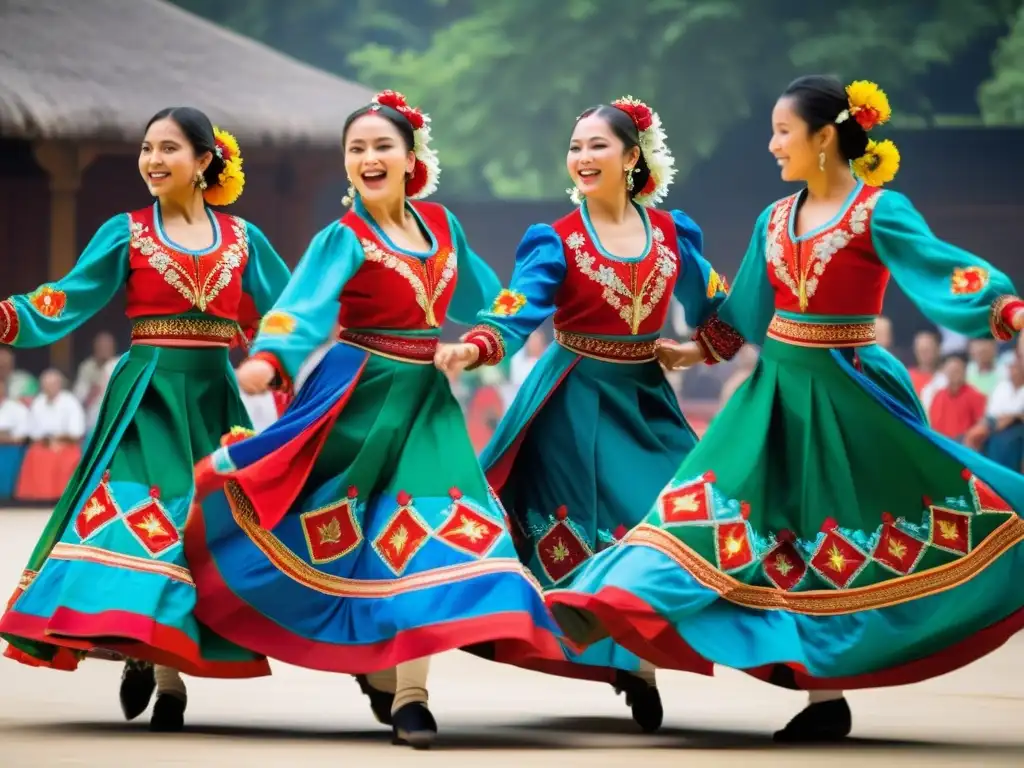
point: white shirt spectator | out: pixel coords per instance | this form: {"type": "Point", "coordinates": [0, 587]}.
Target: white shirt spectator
{"type": "Point", "coordinates": [1005, 400]}
{"type": "Point", "coordinates": [61, 417]}
{"type": "Point", "coordinates": [14, 418]}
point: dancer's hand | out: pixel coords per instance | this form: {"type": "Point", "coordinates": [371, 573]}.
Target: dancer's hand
{"type": "Point", "coordinates": [254, 376]}
{"type": "Point", "coordinates": [453, 358]}
{"type": "Point", "coordinates": [674, 356]}
{"type": "Point", "coordinates": [1018, 320]}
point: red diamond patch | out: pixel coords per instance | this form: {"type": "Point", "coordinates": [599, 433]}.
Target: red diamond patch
{"type": "Point", "coordinates": [152, 527]}
{"type": "Point", "coordinates": [469, 531]}
{"type": "Point", "coordinates": [561, 551]}
{"type": "Point", "coordinates": [733, 546]}
{"type": "Point", "coordinates": [98, 510]}
{"type": "Point", "coordinates": [837, 560]}
{"type": "Point", "coordinates": [784, 566]}
{"type": "Point", "coordinates": [331, 532]}
{"type": "Point", "coordinates": [951, 530]}
{"type": "Point", "coordinates": [689, 504]}
{"type": "Point", "coordinates": [988, 501]}
{"type": "Point", "coordinates": [897, 550]}
{"type": "Point", "coordinates": [401, 539]}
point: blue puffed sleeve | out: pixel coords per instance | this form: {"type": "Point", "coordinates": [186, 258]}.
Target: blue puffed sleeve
{"type": "Point", "coordinates": [306, 314]}
{"type": "Point", "coordinates": [56, 309]}
{"type": "Point", "coordinates": [953, 288]}
{"type": "Point", "coordinates": [266, 274]}
{"type": "Point", "coordinates": [530, 298]}
{"type": "Point", "coordinates": [699, 288]}
{"type": "Point", "coordinates": [477, 284]}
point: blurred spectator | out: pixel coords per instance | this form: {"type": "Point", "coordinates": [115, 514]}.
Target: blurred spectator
{"type": "Point", "coordinates": [981, 371]}
{"type": "Point", "coordinates": [1000, 435]}
{"type": "Point", "coordinates": [953, 343]}
{"type": "Point", "coordinates": [56, 430]}
{"type": "Point", "coordinates": [94, 373]}
{"type": "Point", "coordinates": [957, 407]}
{"type": "Point", "coordinates": [14, 427]}
{"type": "Point", "coordinates": [746, 360]}
{"type": "Point", "coordinates": [926, 360]}
{"type": "Point", "coordinates": [526, 358]}
{"type": "Point", "coordinates": [883, 332]}
{"type": "Point", "coordinates": [20, 384]}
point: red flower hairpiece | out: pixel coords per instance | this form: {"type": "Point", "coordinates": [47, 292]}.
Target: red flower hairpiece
{"type": "Point", "coordinates": [397, 102]}
{"type": "Point", "coordinates": [639, 113]}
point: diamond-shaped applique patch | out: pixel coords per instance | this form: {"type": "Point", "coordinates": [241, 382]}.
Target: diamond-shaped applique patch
{"type": "Point", "coordinates": [469, 531]}
{"type": "Point", "coordinates": [897, 550]}
{"type": "Point", "coordinates": [837, 560]}
{"type": "Point", "coordinates": [690, 503]}
{"type": "Point", "coordinates": [561, 551]}
{"type": "Point", "coordinates": [331, 532]}
{"type": "Point", "coordinates": [986, 500]}
{"type": "Point", "coordinates": [98, 510]}
{"type": "Point", "coordinates": [783, 565]}
{"type": "Point", "coordinates": [403, 536]}
{"type": "Point", "coordinates": [734, 550]}
{"type": "Point", "coordinates": [152, 526]}
{"type": "Point", "coordinates": [951, 530]}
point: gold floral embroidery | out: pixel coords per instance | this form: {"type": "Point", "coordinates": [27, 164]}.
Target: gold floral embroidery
{"type": "Point", "coordinates": [804, 283]}
{"type": "Point", "coordinates": [418, 274]}
{"type": "Point", "coordinates": [968, 280]}
{"type": "Point", "coordinates": [716, 284]}
{"type": "Point", "coordinates": [277, 323]}
{"type": "Point", "coordinates": [199, 289]}
{"type": "Point", "coordinates": [638, 303]}
{"type": "Point", "coordinates": [508, 303]}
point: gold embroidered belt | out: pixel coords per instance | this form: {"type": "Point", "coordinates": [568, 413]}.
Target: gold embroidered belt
{"type": "Point", "coordinates": [210, 331]}
{"type": "Point", "coordinates": [824, 335]}
{"type": "Point", "coordinates": [609, 351]}
{"type": "Point", "coordinates": [408, 349]}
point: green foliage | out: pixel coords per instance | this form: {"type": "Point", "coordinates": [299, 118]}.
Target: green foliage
{"type": "Point", "coordinates": [1002, 97]}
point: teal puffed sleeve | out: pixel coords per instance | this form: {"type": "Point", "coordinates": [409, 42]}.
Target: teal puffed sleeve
{"type": "Point", "coordinates": [266, 274]}
{"type": "Point", "coordinates": [699, 288]}
{"type": "Point", "coordinates": [306, 314]}
{"type": "Point", "coordinates": [53, 310]}
{"type": "Point", "coordinates": [477, 284]}
{"type": "Point", "coordinates": [953, 288]}
{"type": "Point", "coordinates": [528, 301]}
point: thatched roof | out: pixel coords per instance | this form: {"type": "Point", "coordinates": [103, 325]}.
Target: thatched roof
{"type": "Point", "coordinates": [99, 69]}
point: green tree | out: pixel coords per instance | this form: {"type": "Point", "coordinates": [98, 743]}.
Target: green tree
{"type": "Point", "coordinates": [1002, 97]}
{"type": "Point", "coordinates": [504, 81]}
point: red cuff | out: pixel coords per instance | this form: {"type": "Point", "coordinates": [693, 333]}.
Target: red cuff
{"type": "Point", "coordinates": [282, 381]}
{"type": "Point", "coordinates": [718, 341]}
{"type": "Point", "coordinates": [1001, 317]}
{"type": "Point", "coordinates": [9, 325]}
{"type": "Point", "coordinates": [489, 343]}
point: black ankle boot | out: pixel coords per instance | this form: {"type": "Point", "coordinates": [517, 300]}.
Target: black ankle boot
{"type": "Point", "coordinates": [414, 726]}
{"type": "Point", "coordinates": [138, 681]}
{"type": "Point", "coordinates": [824, 722]}
{"type": "Point", "coordinates": [643, 699]}
{"type": "Point", "coordinates": [168, 713]}
{"type": "Point", "coordinates": [380, 701]}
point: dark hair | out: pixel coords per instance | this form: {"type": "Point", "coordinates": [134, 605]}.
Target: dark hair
{"type": "Point", "coordinates": [199, 131]}
{"type": "Point", "coordinates": [819, 100]}
{"type": "Point", "coordinates": [624, 128]}
{"type": "Point", "coordinates": [955, 356]}
{"type": "Point", "coordinates": [393, 116]}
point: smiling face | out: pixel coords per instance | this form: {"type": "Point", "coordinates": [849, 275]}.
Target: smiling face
{"type": "Point", "coordinates": [794, 147]}
{"type": "Point", "coordinates": [167, 162]}
{"type": "Point", "coordinates": [597, 158]}
{"type": "Point", "coordinates": [377, 160]}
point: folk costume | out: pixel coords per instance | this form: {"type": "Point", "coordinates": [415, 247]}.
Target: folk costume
{"type": "Point", "coordinates": [595, 431]}
{"type": "Point", "coordinates": [357, 534]}
{"type": "Point", "coordinates": [821, 536]}
{"type": "Point", "coordinates": [109, 572]}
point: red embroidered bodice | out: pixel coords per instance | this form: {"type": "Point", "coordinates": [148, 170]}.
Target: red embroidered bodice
{"type": "Point", "coordinates": [395, 291]}
{"type": "Point", "coordinates": [833, 272]}
{"type": "Point", "coordinates": [164, 281]}
{"type": "Point", "coordinates": [606, 296]}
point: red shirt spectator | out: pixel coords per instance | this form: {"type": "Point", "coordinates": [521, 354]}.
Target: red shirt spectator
{"type": "Point", "coordinates": [959, 406]}
{"type": "Point", "coordinates": [926, 359]}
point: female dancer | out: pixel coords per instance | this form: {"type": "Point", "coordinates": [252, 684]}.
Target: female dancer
{"type": "Point", "coordinates": [109, 572]}
{"type": "Point", "coordinates": [356, 534]}
{"type": "Point", "coordinates": [821, 536]}
{"type": "Point", "coordinates": [596, 430]}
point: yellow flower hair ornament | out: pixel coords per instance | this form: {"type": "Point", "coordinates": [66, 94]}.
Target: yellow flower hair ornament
{"type": "Point", "coordinates": [869, 105]}
{"type": "Point", "coordinates": [879, 163]}
{"type": "Point", "coordinates": [231, 180]}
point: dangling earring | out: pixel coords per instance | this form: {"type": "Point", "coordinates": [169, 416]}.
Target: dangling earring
{"type": "Point", "coordinates": [821, 160]}
{"type": "Point", "coordinates": [629, 178]}
{"type": "Point", "coordinates": [200, 181]}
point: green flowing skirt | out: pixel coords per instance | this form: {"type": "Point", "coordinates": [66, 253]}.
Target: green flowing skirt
{"type": "Point", "coordinates": [109, 571]}
{"type": "Point", "coordinates": [820, 535]}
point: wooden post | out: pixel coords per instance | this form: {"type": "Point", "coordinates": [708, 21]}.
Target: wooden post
{"type": "Point", "coordinates": [64, 163]}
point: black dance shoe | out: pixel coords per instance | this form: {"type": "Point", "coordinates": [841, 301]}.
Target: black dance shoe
{"type": "Point", "coordinates": [414, 726]}
{"type": "Point", "coordinates": [380, 701]}
{"type": "Point", "coordinates": [643, 699]}
{"type": "Point", "coordinates": [138, 681]}
{"type": "Point", "coordinates": [168, 713]}
{"type": "Point", "coordinates": [824, 722]}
